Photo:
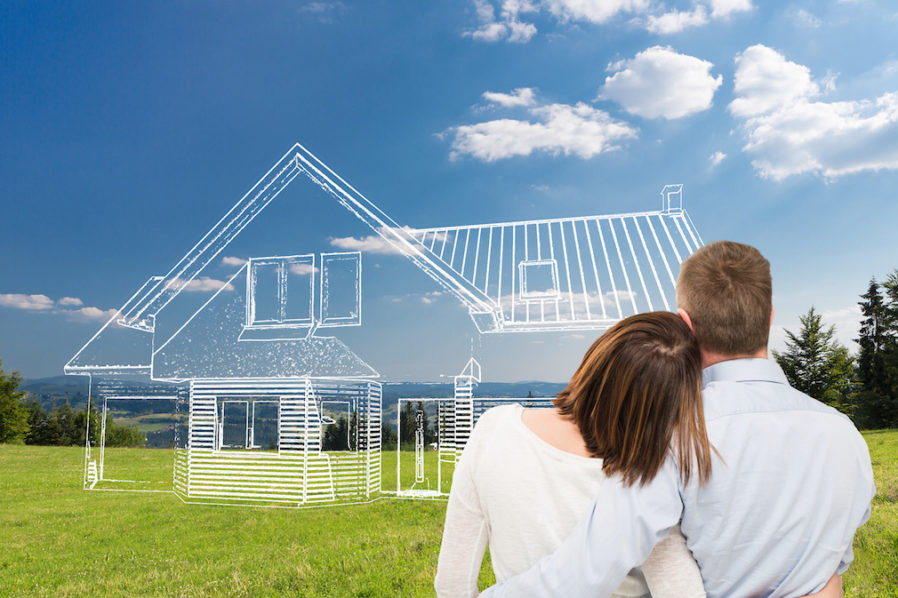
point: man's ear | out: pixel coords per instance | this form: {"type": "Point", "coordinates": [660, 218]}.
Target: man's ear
{"type": "Point", "coordinates": [682, 313]}
{"type": "Point", "coordinates": [771, 317]}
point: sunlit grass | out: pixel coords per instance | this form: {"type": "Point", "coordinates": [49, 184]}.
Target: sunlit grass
{"type": "Point", "coordinates": [59, 540]}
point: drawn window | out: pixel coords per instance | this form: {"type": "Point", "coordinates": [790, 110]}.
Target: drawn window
{"type": "Point", "coordinates": [341, 289]}
{"type": "Point", "coordinates": [248, 424]}
{"type": "Point", "coordinates": [263, 422]}
{"type": "Point", "coordinates": [539, 279]}
{"type": "Point", "coordinates": [234, 422]}
{"type": "Point", "coordinates": [280, 291]}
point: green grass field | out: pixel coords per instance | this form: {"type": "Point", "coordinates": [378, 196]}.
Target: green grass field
{"type": "Point", "coordinates": [58, 540]}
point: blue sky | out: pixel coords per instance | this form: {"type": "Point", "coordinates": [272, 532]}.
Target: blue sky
{"type": "Point", "coordinates": [128, 129]}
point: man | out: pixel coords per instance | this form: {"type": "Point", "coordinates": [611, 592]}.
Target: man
{"type": "Point", "coordinates": [791, 482]}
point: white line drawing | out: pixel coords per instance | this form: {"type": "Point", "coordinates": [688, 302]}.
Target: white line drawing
{"type": "Point", "coordinates": [568, 273]}
{"type": "Point", "coordinates": [454, 419]}
{"type": "Point", "coordinates": [267, 410]}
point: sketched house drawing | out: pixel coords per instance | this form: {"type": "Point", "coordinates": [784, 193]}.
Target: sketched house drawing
{"type": "Point", "coordinates": [256, 373]}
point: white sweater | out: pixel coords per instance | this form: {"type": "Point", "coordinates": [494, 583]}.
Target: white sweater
{"type": "Point", "coordinates": [524, 496]}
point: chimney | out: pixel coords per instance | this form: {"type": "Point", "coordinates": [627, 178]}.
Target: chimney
{"type": "Point", "coordinates": [672, 199]}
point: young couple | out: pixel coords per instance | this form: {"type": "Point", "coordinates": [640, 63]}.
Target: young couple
{"type": "Point", "coordinates": [678, 462]}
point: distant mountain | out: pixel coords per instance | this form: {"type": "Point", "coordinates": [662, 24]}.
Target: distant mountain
{"type": "Point", "coordinates": [56, 384]}
{"type": "Point", "coordinates": [436, 390]}
{"type": "Point", "coordinates": [56, 390]}
{"type": "Point", "coordinates": [392, 391]}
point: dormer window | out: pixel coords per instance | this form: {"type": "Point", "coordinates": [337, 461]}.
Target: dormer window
{"type": "Point", "coordinates": [341, 289]}
{"type": "Point", "coordinates": [539, 279]}
{"type": "Point", "coordinates": [291, 296]}
{"type": "Point", "coordinates": [280, 291]}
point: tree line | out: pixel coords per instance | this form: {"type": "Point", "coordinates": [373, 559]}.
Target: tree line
{"type": "Point", "coordinates": [862, 386]}
{"type": "Point", "coordinates": [340, 435]}
{"type": "Point", "coordinates": [26, 422]}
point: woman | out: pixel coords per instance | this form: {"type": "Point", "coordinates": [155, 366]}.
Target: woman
{"type": "Point", "coordinates": [527, 476]}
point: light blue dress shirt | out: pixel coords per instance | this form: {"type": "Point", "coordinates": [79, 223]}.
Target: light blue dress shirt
{"type": "Point", "coordinates": [792, 483]}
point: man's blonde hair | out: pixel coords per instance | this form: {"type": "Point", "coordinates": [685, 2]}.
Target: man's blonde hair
{"type": "Point", "coordinates": [725, 288]}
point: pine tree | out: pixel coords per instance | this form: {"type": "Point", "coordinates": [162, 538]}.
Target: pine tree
{"type": "Point", "coordinates": [38, 420]}
{"type": "Point", "coordinates": [890, 325]}
{"type": "Point", "coordinates": [407, 424]}
{"type": "Point", "coordinates": [890, 286]}
{"type": "Point", "coordinates": [13, 412]}
{"type": "Point", "coordinates": [872, 339]}
{"type": "Point", "coordinates": [816, 363]}
{"type": "Point", "coordinates": [387, 436]}
{"type": "Point", "coordinates": [877, 402]}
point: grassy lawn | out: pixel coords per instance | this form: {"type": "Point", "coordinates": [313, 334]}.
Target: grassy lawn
{"type": "Point", "coordinates": [875, 568]}
{"type": "Point", "coordinates": [59, 540]}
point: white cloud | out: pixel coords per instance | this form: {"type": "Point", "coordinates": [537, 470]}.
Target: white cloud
{"type": "Point", "coordinates": [829, 81]}
{"type": "Point", "coordinates": [803, 18]}
{"type": "Point", "coordinates": [232, 261]}
{"type": "Point", "coordinates": [558, 129]}
{"type": "Point", "coordinates": [765, 80]}
{"type": "Point", "coordinates": [721, 9]}
{"type": "Point", "coordinates": [716, 158]}
{"type": "Point", "coordinates": [324, 12]}
{"type": "Point", "coordinates": [676, 21]}
{"type": "Point", "coordinates": [29, 302]}
{"type": "Point", "coordinates": [302, 269]}
{"type": "Point", "coordinates": [702, 13]}
{"type": "Point", "coordinates": [661, 83]}
{"type": "Point", "coordinates": [520, 32]}
{"type": "Point", "coordinates": [372, 243]}
{"type": "Point", "coordinates": [44, 304]}
{"type": "Point", "coordinates": [789, 131]}
{"type": "Point", "coordinates": [508, 26]}
{"type": "Point", "coordinates": [611, 298]}
{"type": "Point", "coordinates": [655, 16]}
{"type": "Point", "coordinates": [593, 11]}
{"type": "Point", "coordinates": [90, 314]}
{"type": "Point", "coordinates": [523, 96]}
{"type": "Point", "coordinates": [203, 283]}
{"type": "Point", "coordinates": [489, 32]}
{"type": "Point", "coordinates": [428, 298]}
{"type": "Point", "coordinates": [425, 298]}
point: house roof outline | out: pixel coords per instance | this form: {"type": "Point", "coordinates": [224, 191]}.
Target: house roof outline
{"type": "Point", "coordinates": [297, 160]}
{"type": "Point", "coordinates": [488, 313]}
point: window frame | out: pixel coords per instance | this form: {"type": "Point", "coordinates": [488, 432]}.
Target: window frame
{"type": "Point", "coordinates": [249, 422]}
{"type": "Point", "coordinates": [527, 295]}
{"type": "Point", "coordinates": [283, 263]}
{"type": "Point", "coordinates": [328, 321]}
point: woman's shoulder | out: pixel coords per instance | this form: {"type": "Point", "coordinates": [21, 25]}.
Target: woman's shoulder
{"type": "Point", "coordinates": [494, 422]}
{"type": "Point", "coordinates": [498, 416]}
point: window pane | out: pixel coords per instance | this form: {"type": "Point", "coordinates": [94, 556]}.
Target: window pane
{"type": "Point", "coordinates": [264, 296]}
{"type": "Point", "coordinates": [341, 289]}
{"type": "Point", "coordinates": [300, 276]}
{"type": "Point", "coordinates": [233, 419]}
{"type": "Point", "coordinates": [265, 425]}
{"type": "Point", "coordinates": [538, 279]}
{"type": "Point", "coordinates": [339, 426]}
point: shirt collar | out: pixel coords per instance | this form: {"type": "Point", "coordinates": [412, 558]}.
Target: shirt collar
{"type": "Point", "coordinates": [744, 370]}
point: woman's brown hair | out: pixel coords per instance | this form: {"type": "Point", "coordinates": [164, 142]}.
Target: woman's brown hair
{"type": "Point", "coordinates": [637, 395]}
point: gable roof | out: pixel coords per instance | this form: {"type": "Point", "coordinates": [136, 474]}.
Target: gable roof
{"type": "Point", "coordinates": [142, 312]}
{"type": "Point", "coordinates": [600, 269]}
